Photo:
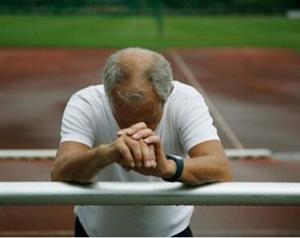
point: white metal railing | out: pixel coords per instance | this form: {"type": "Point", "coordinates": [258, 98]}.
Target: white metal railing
{"type": "Point", "coordinates": [143, 193]}
{"type": "Point", "coordinates": [50, 153]}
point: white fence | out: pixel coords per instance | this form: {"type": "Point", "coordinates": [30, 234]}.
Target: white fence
{"type": "Point", "coordinates": [140, 193]}
{"type": "Point", "coordinates": [50, 153]}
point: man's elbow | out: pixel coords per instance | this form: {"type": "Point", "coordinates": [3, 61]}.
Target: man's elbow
{"type": "Point", "coordinates": [226, 176]}
{"type": "Point", "coordinates": [225, 172]}
{"type": "Point", "coordinates": [55, 175]}
{"type": "Point", "coordinates": [58, 173]}
{"type": "Point", "coordinates": [61, 173]}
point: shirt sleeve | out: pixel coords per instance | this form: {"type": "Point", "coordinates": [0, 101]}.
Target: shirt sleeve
{"type": "Point", "coordinates": [78, 122]}
{"type": "Point", "coordinates": [195, 123]}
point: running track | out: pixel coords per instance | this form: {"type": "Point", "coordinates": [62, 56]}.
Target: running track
{"type": "Point", "coordinates": [255, 102]}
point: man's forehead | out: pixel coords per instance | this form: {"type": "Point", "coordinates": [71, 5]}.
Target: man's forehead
{"type": "Point", "coordinates": [134, 97]}
{"type": "Point", "coordinates": [136, 60]}
{"type": "Point", "coordinates": [133, 112]}
{"type": "Point", "coordinates": [134, 85]}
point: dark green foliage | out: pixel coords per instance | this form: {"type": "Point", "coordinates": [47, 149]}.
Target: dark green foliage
{"type": "Point", "coordinates": [129, 7]}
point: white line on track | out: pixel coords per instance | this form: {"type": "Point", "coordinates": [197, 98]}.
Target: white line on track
{"type": "Point", "coordinates": [214, 110]}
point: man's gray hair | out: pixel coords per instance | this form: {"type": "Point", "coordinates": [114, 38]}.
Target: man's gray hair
{"type": "Point", "coordinates": [160, 74]}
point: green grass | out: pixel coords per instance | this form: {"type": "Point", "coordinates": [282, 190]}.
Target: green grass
{"type": "Point", "coordinates": [118, 32]}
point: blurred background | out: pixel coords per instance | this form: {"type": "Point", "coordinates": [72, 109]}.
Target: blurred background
{"type": "Point", "coordinates": [243, 55]}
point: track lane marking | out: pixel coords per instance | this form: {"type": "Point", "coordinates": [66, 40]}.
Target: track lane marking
{"type": "Point", "coordinates": [190, 77]}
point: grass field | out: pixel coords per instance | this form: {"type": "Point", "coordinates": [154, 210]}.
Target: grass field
{"type": "Point", "coordinates": [117, 32]}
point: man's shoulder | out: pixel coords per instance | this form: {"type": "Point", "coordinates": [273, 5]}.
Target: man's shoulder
{"type": "Point", "coordinates": [184, 91]}
{"type": "Point", "coordinates": [182, 98]}
{"type": "Point", "coordinates": [90, 91]}
{"type": "Point", "coordinates": [90, 94]}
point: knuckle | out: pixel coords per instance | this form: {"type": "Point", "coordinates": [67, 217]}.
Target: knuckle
{"type": "Point", "coordinates": [121, 147]}
{"type": "Point", "coordinates": [151, 147]}
{"type": "Point", "coordinates": [149, 131]}
{"type": "Point", "coordinates": [128, 155]}
{"type": "Point", "coordinates": [142, 124]}
{"type": "Point", "coordinates": [138, 158]}
{"type": "Point", "coordinates": [145, 148]}
{"type": "Point", "coordinates": [120, 140]}
{"type": "Point", "coordinates": [120, 132]}
{"type": "Point", "coordinates": [134, 144]}
{"type": "Point", "coordinates": [137, 153]}
{"type": "Point", "coordinates": [125, 152]}
{"type": "Point", "coordinates": [147, 156]}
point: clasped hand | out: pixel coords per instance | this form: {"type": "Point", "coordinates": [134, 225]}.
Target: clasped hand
{"type": "Point", "coordinates": [141, 151]}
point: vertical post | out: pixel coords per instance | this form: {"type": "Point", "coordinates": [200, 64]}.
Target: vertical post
{"type": "Point", "coordinates": [158, 15]}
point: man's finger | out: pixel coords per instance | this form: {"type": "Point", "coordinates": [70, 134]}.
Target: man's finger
{"type": "Point", "coordinates": [155, 141]}
{"type": "Point", "coordinates": [133, 129]}
{"type": "Point", "coordinates": [126, 154]}
{"type": "Point", "coordinates": [152, 155]}
{"type": "Point", "coordinates": [136, 127]}
{"type": "Point", "coordinates": [136, 151]}
{"type": "Point", "coordinates": [125, 131]}
{"type": "Point", "coordinates": [144, 133]}
{"type": "Point", "coordinates": [146, 155]}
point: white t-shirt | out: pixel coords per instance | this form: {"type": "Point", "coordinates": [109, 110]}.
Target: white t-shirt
{"type": "Point", "coordinates": [186, 122]}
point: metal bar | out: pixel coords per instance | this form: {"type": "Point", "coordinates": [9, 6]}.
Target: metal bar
{"type": "Point", "coordinates": [50, 153]}
{"type": "Point", "coordinates": [248, 153]}
{"type": "Point", "coordinates": [28, 154]}
{"type": "Point", "coordinates": [143, 193]}
{"type": "Point", "coordinates": [287, 155]}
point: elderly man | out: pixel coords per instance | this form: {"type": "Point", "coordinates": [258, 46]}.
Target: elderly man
{"type": "Point", "coordinates": [140, 125]}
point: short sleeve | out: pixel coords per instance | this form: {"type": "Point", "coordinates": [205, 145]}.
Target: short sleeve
{"type": "Point", "coordinates": [78, 122]}
{"type": "Point", "coordinates": [195, 123]}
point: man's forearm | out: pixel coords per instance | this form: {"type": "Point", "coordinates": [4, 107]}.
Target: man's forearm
{"type": "Point", "coordinates": [206, 169]}
{"type": "Point", "coordinates": [82, 166]}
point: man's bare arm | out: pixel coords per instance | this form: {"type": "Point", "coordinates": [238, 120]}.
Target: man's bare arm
{"type": "Point", "coordinates": [207, 163]}
{"type": "Point", "coordinates": [76, 162]}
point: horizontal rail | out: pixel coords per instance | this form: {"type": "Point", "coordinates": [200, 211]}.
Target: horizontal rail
{"type": "Point", "coordinates": [50, 153]}
{"type": "Point", "coordinates": [141, 193]}
{"type": "Point", "coordinates": [28, 154]}
{"type": "Point", "coordinates": [246, 153]}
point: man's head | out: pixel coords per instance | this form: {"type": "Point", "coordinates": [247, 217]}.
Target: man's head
{"type": "Point", "coordinates": [137, 82]}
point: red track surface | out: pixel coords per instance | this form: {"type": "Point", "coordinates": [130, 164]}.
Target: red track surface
{"type": "Point", "coordinates": [257, 92]}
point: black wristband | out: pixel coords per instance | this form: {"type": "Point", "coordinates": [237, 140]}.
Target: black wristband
{"type": "Point", "coordinates": [179, 167]}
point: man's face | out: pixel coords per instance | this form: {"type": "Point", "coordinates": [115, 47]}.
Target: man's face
{"type": "Point", "coordinates": [136, 101]}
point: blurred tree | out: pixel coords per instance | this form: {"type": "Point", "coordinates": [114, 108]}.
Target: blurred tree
{"type": "Point", "coordinates": [144, 6]}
